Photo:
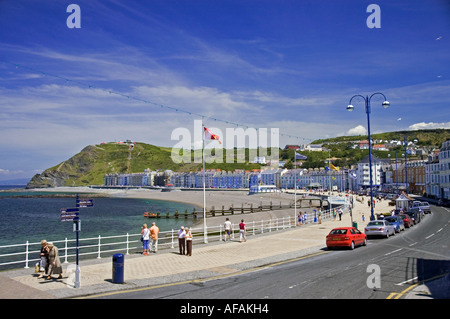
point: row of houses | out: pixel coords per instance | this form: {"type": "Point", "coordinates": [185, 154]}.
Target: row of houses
{"type": "Point", "coordinates": [430, 176]}
{"type": "Point", "coordinates": [215, 178]}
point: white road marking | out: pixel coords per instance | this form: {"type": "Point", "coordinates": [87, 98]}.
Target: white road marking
{"type": "Point", "coordinates": [393, 252]}
{"type": "Point", "coordinates": [404, 282]}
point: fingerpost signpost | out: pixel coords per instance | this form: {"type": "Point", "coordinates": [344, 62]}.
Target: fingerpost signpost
{"type": "Point", "coordinates": [73, 214]}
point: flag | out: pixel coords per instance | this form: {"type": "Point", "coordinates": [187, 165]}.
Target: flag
{"type": "Point", "coordinates": [334, 167]}
{"type": "Point", "coordinates": [210, 136]}
{"type": "Point", "coordinates": [352, 175]}
{"type": "Point", "coordinates": [300, 156]}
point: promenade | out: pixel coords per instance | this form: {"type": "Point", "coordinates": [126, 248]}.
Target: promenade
{"type": "Point", "coordinates": [167, 266]}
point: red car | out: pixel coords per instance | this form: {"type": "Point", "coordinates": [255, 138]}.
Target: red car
{"type": "Point", "coordinates": [407, 221]}
{"type": "Point", "coordinates": [346, 237]}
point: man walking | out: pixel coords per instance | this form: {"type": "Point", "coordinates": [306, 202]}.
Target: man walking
{"type": "Point", "coordinates": [228, 229]}
{"type": "Point", "coordinates": [154, 231]}
{"type": "Point", "coordinates": [182, 240]}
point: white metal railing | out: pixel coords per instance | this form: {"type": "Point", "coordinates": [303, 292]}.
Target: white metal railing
{"type": "Point", "coordinates": [28, 253]}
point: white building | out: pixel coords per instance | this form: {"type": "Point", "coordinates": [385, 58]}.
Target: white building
{"type": "Point", "coordinates": [437, 171]}
{"type": "Point", "coordinates": [363, 172]}
{"type": "Point", "coordinates": [313, 147]}
{"type": "Point", "coordinates": [444, 172]}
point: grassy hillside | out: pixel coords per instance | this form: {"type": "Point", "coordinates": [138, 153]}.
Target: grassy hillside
{"type": "Point", "coordinates": [90, 165]}
{"type": "Point", "coordinates": [433, 138]}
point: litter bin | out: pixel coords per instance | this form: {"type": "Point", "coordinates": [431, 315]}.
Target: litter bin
{"type": "Point", "coordinates": [117, 269]}
{"type": "Point", "coordinates": [355, 224]}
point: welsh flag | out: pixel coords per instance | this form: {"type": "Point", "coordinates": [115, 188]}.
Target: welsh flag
{"type": "Point", "coordinates": [210, 136]}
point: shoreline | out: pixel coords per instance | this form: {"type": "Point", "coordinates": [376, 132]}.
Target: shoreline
{"type": "Point", "coordinates": [216, 198]}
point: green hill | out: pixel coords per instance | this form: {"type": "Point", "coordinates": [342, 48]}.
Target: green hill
{"type": "Point", "coordinates": [89, 166]}
{"type": "Point", "coordinates": [344, 154]}
{"type": "Point", "coordinates": [434, 137]}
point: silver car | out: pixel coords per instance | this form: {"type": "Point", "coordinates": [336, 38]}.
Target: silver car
{"type": "Point", "coordinates": [379, 228]}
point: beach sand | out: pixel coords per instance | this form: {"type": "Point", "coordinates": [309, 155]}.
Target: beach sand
{"type": "Point", "coordinates": [227, 198]}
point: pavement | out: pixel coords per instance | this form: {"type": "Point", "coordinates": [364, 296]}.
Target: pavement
{"type": "Point", "coordinates": [212, 260]}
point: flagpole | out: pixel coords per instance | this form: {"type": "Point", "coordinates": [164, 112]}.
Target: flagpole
{"type": "Point", "coordinates": [295, 186]}
{"type": "Point", "coordinates": [205, 236]}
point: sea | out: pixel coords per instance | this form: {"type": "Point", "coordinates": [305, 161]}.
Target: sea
{"type": "Point", "coordinates": [35, 218]}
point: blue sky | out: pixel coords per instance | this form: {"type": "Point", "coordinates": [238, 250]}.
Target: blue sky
{"type": "Point", "coordinates": [292, 65]}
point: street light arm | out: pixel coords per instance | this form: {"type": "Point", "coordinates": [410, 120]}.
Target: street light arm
{"type": "Point", "coordinates": [376, 93]}
{"type": "Point", "coordinates": [357, 95]}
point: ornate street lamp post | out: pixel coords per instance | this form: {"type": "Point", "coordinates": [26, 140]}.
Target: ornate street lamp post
{"type": "Point", "coordinates": [350, 108]}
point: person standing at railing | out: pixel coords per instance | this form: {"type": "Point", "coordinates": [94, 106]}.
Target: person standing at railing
{"type": "Point", "coordinates": [145, 239]}
{"type": "Point", "coordinates": [44, 264]}
{"type": "Point", "coordinates": [182, 240]}
{"type": "Point", "coordinates": [55, 267]}
{"type": "Point", "coordinates": [154, 231]}
{"type": "Point", "coordinates": [188, 242]}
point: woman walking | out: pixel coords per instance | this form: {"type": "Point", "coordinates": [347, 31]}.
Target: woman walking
{"type": "Point", "coordinates": [55, 267]}
{"type": "Point", "coordinates": [242, 231]}
{"type": "Point", "coordinates": [44, 259]}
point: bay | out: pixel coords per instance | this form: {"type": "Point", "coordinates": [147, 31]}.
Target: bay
{"type": "Point", "coordinates": [36, 218]}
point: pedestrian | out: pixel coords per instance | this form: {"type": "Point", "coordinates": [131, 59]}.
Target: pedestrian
{"type": "Point", "coordinates": [55, 267]}
{"type": "Point", "coordinates": [363, 218]}
{"type": "Point", "coordinates": [182, 240]}
{"type": "Point", "coordinates": [145, 232]}
{"type": "Point", "coordinates": [300, 218]}
{"type": "Point", "coordinates": [228, 228]}
{"type": "Point", "coordinates": [188, 242]}
{"type": "Point", "coordinates": [340, 214]}
{"type": "Point", "coordinates": [43, 264]}
{"type": "Point", "coordinates": [305, 217]}
{"type": "Point", "coordinates": [242, 231]}
{"type": "Point", "coordinates": [334, 213]}
{"type": "Point", "coordinates": [154, 231]}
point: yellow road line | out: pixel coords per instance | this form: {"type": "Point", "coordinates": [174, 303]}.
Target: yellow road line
{"type": "Point", "coordinates": [397, 295]}
{"type": "Point", "coordinates": [204, 279]}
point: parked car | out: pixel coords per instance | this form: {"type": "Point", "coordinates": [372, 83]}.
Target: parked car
{"type": "Point", "coordinates": [346, 237]}
{"type": "Point", "coordinates": [407, 221]}
{"type": "Point", "coordinates": [414, 214]}
{"type": "Point", "coordinates": [397, 222]}
{"type": "Point", "coordinates": [424, 206]}
{"type": "Point", "coordinates": [379, 228]}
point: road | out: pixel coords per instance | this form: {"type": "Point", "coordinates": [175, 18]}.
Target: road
{"type": "Point", "coordinates": [385, 268]}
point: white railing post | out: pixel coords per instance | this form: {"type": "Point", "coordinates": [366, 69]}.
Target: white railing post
{"type": "Point", "coordinates": [172, 243]}
{"type": "Point", "coordinates": [26, 255]}
{"type": "Point", "coordinates": [128, 244]}
{"type": "Point", "coordinates": [253, 228]}
{"type": "Point", "coordinates": [65, 249]}
{"type": "Point", "coordinates": [99, 247]}
{"type": "Point", "coordinates": [220, 232]}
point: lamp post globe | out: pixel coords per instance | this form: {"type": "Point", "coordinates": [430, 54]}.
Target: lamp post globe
{"type": "Point", "coordinates": [350, 108]}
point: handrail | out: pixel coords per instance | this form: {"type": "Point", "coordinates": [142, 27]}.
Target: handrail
{"type": "Point", "coordinates": [131, 242]}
